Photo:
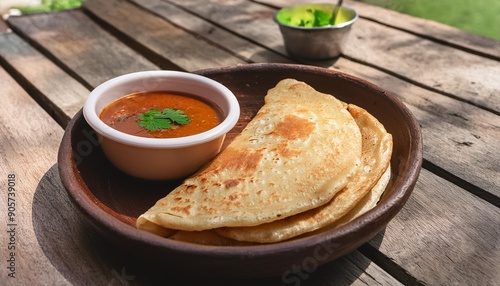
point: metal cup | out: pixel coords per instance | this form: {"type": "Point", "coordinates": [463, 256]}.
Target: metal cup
{"type": "Point", "coordinates": [316, 43]}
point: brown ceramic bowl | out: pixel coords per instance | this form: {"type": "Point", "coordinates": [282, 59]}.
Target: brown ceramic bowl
{"type": "Point", "coordinates": [111, 200]}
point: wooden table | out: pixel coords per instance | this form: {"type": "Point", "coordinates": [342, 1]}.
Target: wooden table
{"type": "Point", "coordinates": [448, 233]}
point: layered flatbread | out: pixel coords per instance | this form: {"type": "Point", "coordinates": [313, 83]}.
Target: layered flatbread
{"type": "Point", "coordinates": [376, 155]}
{"type": "Point", "coordinates": [368, 202]}
{"type": "Point", "coordinates": [207, 237]}
{"type": "Point", "coordinates": [211, 237]}
{"type": "Point", "coordinates": [298, 152]}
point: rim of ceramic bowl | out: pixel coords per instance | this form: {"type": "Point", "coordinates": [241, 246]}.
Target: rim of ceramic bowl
{"type": "Point", "coordinates": [90, 112]}
{"type": "Point", "coordinates": [338, 26]}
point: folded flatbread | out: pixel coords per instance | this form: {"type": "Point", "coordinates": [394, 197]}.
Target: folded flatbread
{"type": "Point", "coordinates": [300, 149]}
{"type": "Point", "coordinates": [211, 237]}
{"type": "Point", "coordinates": [376, 155]}
{"type": "Point", "coordinates": [207, 237]}
{"type": "Point", "coordinates": [368, 202]}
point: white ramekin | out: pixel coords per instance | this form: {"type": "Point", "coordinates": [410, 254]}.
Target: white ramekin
{"type": "Point", "coordinates": [154, 158]}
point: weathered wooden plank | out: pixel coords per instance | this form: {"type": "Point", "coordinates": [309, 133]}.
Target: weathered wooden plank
{"type": "Point", "coordinates": [80, 46]}
{"type": "Point", "coordinates": [458, 218]}
{"type": "Point", "coordinates": [424, 28]}
{"type": "Point", "coordinates": [444, 236]}
{"type": "Point", "coordinates": [160, 37]}
{"type": "Point", "coordinates": [57, 92]}
{"type": "Point", "coordinates": [243, 18]}
{"type": "Point", "coordinates": [438, 67]}
{"type": "Point", "coordinates": [352, 269]}
{"type": "Point", "coordinates": [443, 132]}
{"type": "Point", "coordinates": [469, 133]}
{"type": "Point", "coordinates": [242, 47]}
{"type": "Point", "coordinates": [32, 140]}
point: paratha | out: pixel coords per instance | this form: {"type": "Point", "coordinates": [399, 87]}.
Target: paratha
{"type": "Point", "coordinates": [206, 237]}
{"type": "Point", "coordinates": [300, 149]}
{"type": "Point", "coordinates": [369, 201]}
{"type": "Point", "coordinates": [377, 150]}
{"type": "Point", "coordinates": [211, 237]}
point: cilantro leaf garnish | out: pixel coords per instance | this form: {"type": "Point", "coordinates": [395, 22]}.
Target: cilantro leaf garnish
{"type": "Point", "coordinates": [308, 18]}
{"type": "Point", "coordinates": [321, 18]}
{"type": "Point", "coordinates": [154, 119]}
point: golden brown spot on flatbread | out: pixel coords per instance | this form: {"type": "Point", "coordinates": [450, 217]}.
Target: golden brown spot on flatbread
{"type": "Point", "coordinates": [208, 209]}
{"type": "Point", "coordinates": [296, 86]}
{"type": "Point", "coordinates": [231, 202]}
{"type": "Point", "coordinates": [293, 127]}
{"type": "Point", "coordinates": [185, 209]}
{"type": "Point", "coordinates": [244, 160]}
{"type": "Point", "coordinates": [190, 189]}
{"type": "Point", "coordinates": [233, 197]}
{"type": "Point", "coordinates": [231, 183]}
{"type": "Point", "coordinates": [283, 150]}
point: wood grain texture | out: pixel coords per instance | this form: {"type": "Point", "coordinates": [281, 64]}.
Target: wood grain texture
{"type": "Point", "coordinates": [444, 236]}
{"type": "Point", "coordinates": [243, 18]}
{"type": "Point", "coordinates": [182, 49]}
{"type": "Point", "coordinates": [242, 47]}
{"type": "Point", "coordinates": [443, 131]}
{"type": "Point", "coordinates": [346, 271]}
{"type": "Point", "coordinates": [80, 46]}
{"type": "Point", "coordinates": [448, 126]}
{"type": "Point", "coordinates": [57, 92]}
{"type": "Point", "coordinates": [448, 71]}
{"type": "Point", "coordinates": [28, 150]}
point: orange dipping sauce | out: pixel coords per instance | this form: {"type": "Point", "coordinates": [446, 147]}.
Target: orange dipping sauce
{"type": "Point", "coordinates": [123, 114]}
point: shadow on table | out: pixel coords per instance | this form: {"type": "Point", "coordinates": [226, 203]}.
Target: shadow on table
{"type": "Point", "coordinates": [82, 256]}
{"type": "Point", "coordinates": [279, 55]}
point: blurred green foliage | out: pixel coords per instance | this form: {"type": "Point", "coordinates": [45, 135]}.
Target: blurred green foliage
{"type": "Point", "coordinates": [481, 17]}
{"type": "Point", "coordinates": [51, 5]}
